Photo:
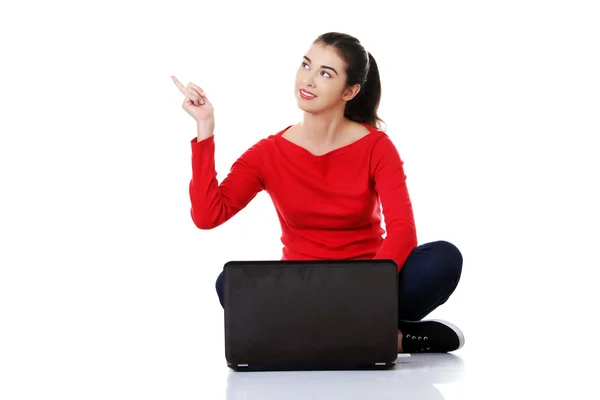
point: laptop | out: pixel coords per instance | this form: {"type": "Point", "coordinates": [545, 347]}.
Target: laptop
{"type": "Point", "coordinates": [311, 315]}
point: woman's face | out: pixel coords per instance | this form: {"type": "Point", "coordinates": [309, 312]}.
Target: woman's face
{"type": "Point", "coordinates": [322, 73]}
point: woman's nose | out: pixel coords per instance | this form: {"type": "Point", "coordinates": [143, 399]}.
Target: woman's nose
{"type": "Point", "coordinates": [308, 81]}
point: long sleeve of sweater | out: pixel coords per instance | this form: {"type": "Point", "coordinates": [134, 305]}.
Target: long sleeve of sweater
{"type": "Point", "coordinates": [212, 203]}
{"type": "Point", "coordinates": [390, 184]}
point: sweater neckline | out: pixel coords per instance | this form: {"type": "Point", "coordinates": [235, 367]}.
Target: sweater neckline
{"type": "Point", "coordinates": [341, 149]}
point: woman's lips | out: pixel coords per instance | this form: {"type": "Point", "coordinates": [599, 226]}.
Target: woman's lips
{"type": "Point", "coordinates": [306, 95]}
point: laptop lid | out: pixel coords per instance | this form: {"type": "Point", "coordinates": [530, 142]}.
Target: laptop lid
{"type": "Point", "coordinates": [321, 313]}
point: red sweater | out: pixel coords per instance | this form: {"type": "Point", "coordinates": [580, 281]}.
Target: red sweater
{"type": "Point", "coordinates": [328, 206]}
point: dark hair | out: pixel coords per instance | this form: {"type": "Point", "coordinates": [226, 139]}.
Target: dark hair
{"type": "Point", "coordinates": [361, 68]}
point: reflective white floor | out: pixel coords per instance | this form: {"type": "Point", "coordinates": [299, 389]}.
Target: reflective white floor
{"type": "Point", "coordinates": [414, 376]}
{"type": "Point", "coordinates": [425, 377]}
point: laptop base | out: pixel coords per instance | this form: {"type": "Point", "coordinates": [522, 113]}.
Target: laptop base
{"type": "Point", "coordinates": [315, 367]}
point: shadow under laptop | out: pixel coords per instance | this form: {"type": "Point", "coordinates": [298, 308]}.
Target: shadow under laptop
{"type": "Point", "coordinates": [413, 375]}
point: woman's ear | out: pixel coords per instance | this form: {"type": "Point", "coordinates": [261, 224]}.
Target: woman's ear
{"type": "Point", "coordinates": [351, 92]}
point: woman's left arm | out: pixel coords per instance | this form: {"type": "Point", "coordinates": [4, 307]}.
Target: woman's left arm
{"type": "Point", "coordinates": [390, 184]}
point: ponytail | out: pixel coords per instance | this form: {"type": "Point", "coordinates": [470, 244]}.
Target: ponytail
{"type": "Point", "coordinates": [363, 107]}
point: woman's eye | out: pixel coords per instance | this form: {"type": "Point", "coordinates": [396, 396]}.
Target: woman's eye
{"type": "Point", "coordinates": [325, 72]}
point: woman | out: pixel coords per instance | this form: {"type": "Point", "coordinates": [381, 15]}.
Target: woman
{"type": "Point", "coordinates": [327, 176]}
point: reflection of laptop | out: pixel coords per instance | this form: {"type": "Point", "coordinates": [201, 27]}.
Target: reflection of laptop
{"type": "Point", "coordinates": [322, 314]}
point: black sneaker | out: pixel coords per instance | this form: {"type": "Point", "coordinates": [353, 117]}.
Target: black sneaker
{"type": "Point", "coordinates": [432, 336]}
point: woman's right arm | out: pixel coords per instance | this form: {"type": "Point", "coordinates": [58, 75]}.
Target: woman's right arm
{"type": "Point", "coordinates": [212, 203]}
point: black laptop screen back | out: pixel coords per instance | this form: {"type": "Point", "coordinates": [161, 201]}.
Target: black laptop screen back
{"type": "Point", "coordinates": [311, 312]}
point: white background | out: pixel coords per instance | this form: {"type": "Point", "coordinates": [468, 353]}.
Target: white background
{"type": "Point", "coordinates": [107, 287]}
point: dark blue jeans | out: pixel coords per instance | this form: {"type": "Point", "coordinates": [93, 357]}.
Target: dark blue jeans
{"type": "Point", "coordinates": [427, 279]}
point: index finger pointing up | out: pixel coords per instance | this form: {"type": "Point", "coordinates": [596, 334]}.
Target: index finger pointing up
{"type": "Point", "coordinates": [179, 85]}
